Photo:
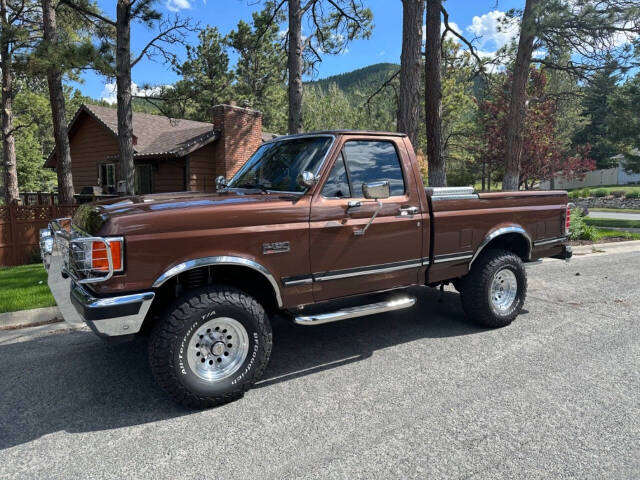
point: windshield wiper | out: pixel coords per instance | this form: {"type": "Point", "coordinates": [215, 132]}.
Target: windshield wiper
{"type": "Point", "coordinates": [258, 186]}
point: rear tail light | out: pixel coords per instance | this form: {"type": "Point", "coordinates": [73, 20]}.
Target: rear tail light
{"type": "Point", "coordinates": [567, 222]}
{"type": "Point", "coordinates": [100, 255]}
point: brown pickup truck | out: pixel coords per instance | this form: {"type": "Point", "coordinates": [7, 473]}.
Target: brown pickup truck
{"type": "Point", "coordinates": [316, 228]}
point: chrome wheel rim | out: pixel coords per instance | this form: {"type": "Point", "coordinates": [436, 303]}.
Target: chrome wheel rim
{"type": "Point", "coordinates": [503, 291]}
{"type": "Point", "coordinates": [218, 349]}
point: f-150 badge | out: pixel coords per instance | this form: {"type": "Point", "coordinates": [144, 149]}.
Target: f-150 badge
{"type": "Point", "coordinates": [275, 247]}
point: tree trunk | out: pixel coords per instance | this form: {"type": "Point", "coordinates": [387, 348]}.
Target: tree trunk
{"type": "Point", "coordinates": [56, 98]}
{"type": "Point", "coordinates": [123, 83]}
{"type": "Point", "coordinates": [11, 192]}
{"type": "Point", "coordinates": [409, 98]}
{"type": "Point", "coordinates": [517, 105]}
{"type": "Point", "coordinates": [433, 96]}
{"type": "Point", "coordinates": [294, 65]}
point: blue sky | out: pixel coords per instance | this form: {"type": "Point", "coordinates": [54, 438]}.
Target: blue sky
{"type": "Point", "coordinates": [473, 18]}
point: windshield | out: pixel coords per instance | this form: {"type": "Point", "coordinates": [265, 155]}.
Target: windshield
{"type": "Point", "coordinates": [276, 165]}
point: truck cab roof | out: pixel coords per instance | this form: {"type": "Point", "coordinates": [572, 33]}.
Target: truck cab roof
{"type": "Point", "coordinates": [364, 133]}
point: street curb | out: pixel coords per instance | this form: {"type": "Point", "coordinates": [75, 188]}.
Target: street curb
{"type": "Point", "coordinates": [612, 247]}
{"type": "Point", "coordinates": [24, 318]}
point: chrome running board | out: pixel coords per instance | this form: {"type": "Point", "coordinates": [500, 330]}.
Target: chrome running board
{"type": "Point", "coordinates": [397, 303]}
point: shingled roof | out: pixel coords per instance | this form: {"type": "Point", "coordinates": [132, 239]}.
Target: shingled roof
{"type": "Point", "coordinates": [154, 135]}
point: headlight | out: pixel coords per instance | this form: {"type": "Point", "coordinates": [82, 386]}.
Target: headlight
{"type": "Point", "coordinates": [90, 256]}
{"type": "Point", "coordinates": [100, 257]}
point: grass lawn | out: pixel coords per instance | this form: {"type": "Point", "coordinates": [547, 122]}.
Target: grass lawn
{"type": "Point", "coordinates": [604, 234]}
{"type": "Point", "coordinates": [24, 287]}
{"type": "Point", "coordinates": [615, 210]}
{"type": "Point", "coordinates": [611, 188]}
{"type": "Point", "coordinates": [611, 222]}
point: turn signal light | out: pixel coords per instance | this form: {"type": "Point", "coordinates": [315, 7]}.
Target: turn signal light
{"type": "Point", "coordinates": [567, 223]}
{"type": "Point", "coordinates": [99, 257]}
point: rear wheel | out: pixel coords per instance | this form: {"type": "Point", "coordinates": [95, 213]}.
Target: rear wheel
{"type": "Point", "coordinates": [494, 291]}
{"type": "Point", "coordinates": [211, 347]}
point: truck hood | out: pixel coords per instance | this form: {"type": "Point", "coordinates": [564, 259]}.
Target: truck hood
{"type": "Point", "coordinates": [122, 214]}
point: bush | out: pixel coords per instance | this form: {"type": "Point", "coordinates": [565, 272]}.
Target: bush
{"type": "Point", "coordinates": [579, 229]}
{"type": "Point", "coordinates": [599, 192]}
{"type": "Point", "coordinates": [633, 194]}
{"type": "Point", "coordinates": [584, 193]}
{"type": "Point", "coordinates": [618, 193]}
{"type": "Point", "coordinates": [574, 194]}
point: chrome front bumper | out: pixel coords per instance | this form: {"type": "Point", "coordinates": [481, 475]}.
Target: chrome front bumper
{"type": "Point", "coordinates": [108, 316]}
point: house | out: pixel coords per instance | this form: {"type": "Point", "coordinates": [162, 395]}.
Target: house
{"type": "Point", "coordinates": [616, 175]}
{"type": "Point", "coordinates": [169, 154]}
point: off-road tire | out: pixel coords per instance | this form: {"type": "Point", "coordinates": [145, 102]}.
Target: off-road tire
{"type": "Point", "coordinates": [174, 330]}
{"type": "Point", "coordinates": [475, 294]}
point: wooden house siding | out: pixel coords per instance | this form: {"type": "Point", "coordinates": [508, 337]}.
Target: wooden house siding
{"type": "Point", "coordinates": [169, 176]}
{"type": "Point", "coordinates": [202, 170]}
{"type": "Point", "coordinates": [91, 144]}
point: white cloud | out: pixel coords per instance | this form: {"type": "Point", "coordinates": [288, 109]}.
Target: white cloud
{"type": "Point", "coordinates": [382, 53]}
{"type": "Point", "coordinates": [450, 36]}
{"type": "Point", "coordinates": [177, 5]}
{"type": "Point", "coordinates": [109, 92]}
{"type": "Point", "coordinates": [494, 29]}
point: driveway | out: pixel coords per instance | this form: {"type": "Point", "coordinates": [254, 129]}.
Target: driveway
{"type": "Point", "coordinates": [414, 394]}
{"type": "Point", "coordinates": [616, 215]}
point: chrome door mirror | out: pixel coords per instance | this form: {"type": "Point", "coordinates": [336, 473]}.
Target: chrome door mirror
{"type": "Point", "coordinates": [307, 179]}
{"type": "Point", "coordinates": [221, 183]}
{"type": "Point", "coordinates": [376, 190]}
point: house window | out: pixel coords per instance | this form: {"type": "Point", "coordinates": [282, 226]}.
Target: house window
{"type": "Point", "coordinates": [143, 179]}
{"type": "Point", "coordinates": [108, 177]}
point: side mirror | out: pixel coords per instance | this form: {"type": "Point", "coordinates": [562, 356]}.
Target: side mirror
{"type": "Point", "coordinates": [376, 190]}
{"type": "Point", "coordinates": [307, 179]}
{"type": "Point", "coordinates": [221, 183]}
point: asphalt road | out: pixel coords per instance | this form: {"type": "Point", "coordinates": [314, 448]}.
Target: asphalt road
{"type": "Point", "coordinates": [418, 394]}
{"type": "Point", "coordinates": [616, 215]}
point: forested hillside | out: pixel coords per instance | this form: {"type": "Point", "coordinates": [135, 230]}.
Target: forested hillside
{"type": "Point", "coordinates": [362, 79]}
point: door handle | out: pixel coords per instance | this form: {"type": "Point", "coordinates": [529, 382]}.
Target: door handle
{"type": "Point", "coordinates": [353, 205]}
{"type": "Point", "coordinates": [405, 211]}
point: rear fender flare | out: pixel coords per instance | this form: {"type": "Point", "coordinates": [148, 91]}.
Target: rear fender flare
{"type": "Point", "coordinates": [500, 232]}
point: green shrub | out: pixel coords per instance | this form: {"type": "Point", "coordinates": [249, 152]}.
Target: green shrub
{"type": "Point", "coordinates": [584, 193]}
{"type": "Point", "coordinates": [574, 194]}
{"type": "Point", "coordinates": [633, 194]}
{"type": "Point", "coordinates": [599, 192]}
{"type": "Point", "coordinates": [618, 193]}
{"type": "Point", "coordinates": [579, 229]}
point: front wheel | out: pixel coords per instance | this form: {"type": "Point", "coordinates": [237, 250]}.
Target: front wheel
{"type": "Point", "coordinates": [495, 289]}
{"type": "Point", "coordinates": [211, 347]}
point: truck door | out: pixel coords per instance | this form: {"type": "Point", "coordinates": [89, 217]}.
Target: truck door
{"type": "Point", "coordinates": [389, 254]}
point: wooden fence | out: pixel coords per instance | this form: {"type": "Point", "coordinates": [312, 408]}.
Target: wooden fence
{"type": "Point", "coordinates": [51, 198]}
{"type": "Point", "coordinates": [20, 230]}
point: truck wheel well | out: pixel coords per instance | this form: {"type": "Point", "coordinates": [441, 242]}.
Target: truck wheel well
{"type": "Point", "coordinates": [243, 278]}
{"type": "Point", "coordinates": [512, 242]}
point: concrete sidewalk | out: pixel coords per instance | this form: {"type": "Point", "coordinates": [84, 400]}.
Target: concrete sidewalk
{"type": "Point", "coordinates": [24, 318]}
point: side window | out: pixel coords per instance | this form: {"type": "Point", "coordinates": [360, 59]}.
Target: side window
{"type": "Point", "coordinates": [337, 184]}
{"type": "Point", "coordinates": [371, 161]}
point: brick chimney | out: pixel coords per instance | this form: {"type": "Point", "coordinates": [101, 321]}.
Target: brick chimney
{"type": "Point", "coordinates": [240, 132]}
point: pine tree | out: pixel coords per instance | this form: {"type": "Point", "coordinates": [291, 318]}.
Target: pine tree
{"type": "Point", "coordinates": [410, 62]}
{"type": "Point", "coordinates": [169, 32]}
{"type": "Point", "coordinates": [596, 109]}
{"type": "Point", "coordinates": [261, 67]}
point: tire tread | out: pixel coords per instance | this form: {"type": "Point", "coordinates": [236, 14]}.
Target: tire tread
{"type": "Point", "coordinates": [167, 331]}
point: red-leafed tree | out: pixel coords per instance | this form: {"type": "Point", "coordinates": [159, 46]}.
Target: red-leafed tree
{"type": "Point", "coordinates": [543, 155]}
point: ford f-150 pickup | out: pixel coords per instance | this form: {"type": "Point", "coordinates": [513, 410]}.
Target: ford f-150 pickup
{"type": "Point", "coordinates": [315, 228]}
